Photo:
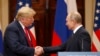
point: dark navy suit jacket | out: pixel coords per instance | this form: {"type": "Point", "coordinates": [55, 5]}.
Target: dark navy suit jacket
{"type": "Point", "coordinates": [80, 41]}
{"type": "Point", "coordinates": [15, 43]}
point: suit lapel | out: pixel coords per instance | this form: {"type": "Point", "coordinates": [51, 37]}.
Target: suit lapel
{"type": "Point", "coordinates": [21, 30]}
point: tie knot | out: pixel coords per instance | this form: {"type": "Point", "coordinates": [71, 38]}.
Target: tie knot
{"type": "Point", "coordinates": [26, 28]}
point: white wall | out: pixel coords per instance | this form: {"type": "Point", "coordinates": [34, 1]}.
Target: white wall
{"type": "Point", "coordinates": [3, 14]}
{"type": "Point", "coordinates": [89, 15]}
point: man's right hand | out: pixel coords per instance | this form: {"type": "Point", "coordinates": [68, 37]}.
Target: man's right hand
{"type": "Point", "coordinates": [38, 50]}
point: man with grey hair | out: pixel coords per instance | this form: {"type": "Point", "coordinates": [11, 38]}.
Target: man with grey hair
{"type": "Point", "coordinates": [78, 42]}
{"type": "Point", "coordinates": [17, 38]}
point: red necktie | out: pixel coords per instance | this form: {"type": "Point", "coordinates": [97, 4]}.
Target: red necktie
{"type": "Point", "coordinates": [30, 38]}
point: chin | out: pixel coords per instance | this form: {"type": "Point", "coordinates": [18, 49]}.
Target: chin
{"type": "Point", "coordinates": [70, 28]}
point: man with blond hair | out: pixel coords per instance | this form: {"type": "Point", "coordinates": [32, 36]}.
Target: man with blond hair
{"type": "Point", "coordinates": [17, 40]}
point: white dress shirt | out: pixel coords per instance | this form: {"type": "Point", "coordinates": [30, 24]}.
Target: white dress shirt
{"type": "Point", "coordinates": [75, 30]}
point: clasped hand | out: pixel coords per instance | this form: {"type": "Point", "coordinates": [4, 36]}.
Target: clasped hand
{"type": "Point", "coordinates": [38, 51]}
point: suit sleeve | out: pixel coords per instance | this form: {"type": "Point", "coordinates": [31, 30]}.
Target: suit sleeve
{"type": "Point", "coordinates": [84, 41]}
{"type": "Point", "coordinates": [11, 39]}
{"type": "Point", "coordinates": [55, 49]}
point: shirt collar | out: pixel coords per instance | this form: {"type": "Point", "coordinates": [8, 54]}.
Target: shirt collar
{"type": "Point", "coordinates": [21, 24]}
{"type": "Point", "coordinates": [75, 30]}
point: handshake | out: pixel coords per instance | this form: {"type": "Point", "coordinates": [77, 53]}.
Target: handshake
{"type": "Point", "coordinates": [38, 51]}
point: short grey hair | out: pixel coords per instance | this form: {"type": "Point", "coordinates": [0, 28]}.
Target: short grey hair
{"type": "Point", "coordinates": [75, 16]}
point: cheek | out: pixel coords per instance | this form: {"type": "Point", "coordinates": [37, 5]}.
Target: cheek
{"type": "Point", "coordinates": [71, 25]}
{"type": "Point", "coordinates": [32, 20]}
{"type": "Point", "coordinates": [28, 22]}
{"type": "Point", "coordinates": [68, 23]}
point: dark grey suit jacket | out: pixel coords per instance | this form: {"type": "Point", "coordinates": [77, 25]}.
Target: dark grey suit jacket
{"type": "Point", "coordinates": [80, 41]}
{"type": "Point", "coordinates": [1, 54]}
{"type": "Point", "coordinates": [15, 43]}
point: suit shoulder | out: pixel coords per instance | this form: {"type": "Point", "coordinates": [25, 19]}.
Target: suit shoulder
{"type": "Point", "coordinates": [83, 33]}
{"type": "Point", "coordinates": [12, 26]}
{"type": "Point", "coordinates": [83, 30]}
